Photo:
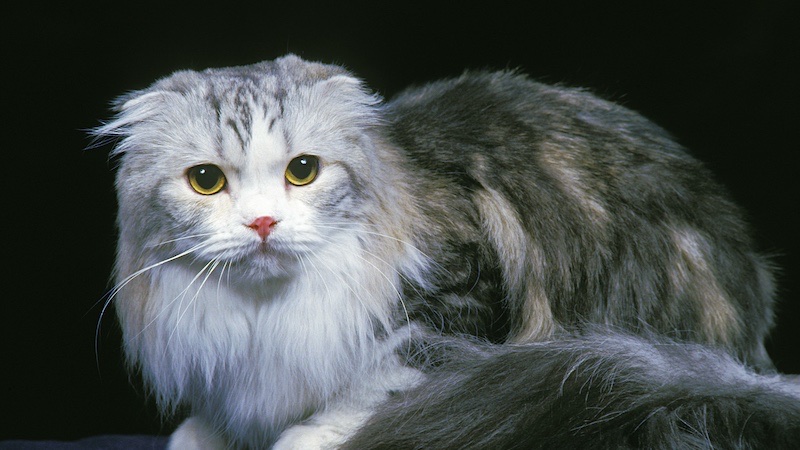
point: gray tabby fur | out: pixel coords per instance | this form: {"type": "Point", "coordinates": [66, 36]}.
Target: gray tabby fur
{"type": "Point", "coordinates": [486, 241]}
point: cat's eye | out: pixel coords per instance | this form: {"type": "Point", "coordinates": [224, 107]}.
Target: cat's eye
{"type": "Point", "coordinates": [302, 170]}
{"type": "Point", "coordinates": [206, 179]}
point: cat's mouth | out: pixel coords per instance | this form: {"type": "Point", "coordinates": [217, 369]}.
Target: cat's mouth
{"type": "Point", "coordinates": [265, 248]}
{"type": "Point", "coordinates": [269, 250]}
{"type": "Point", "coordinates": [262, 261]}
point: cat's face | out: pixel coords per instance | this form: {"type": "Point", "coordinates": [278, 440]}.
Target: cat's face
{"type": "Point", "coordinates": [254, 172]}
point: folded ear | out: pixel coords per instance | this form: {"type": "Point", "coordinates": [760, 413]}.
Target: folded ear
{"type": "Point", "coordinates": [132, 108]}
{"type": "Point", "coordinates": [347, 99]}
{"type": "Point", "coordinates": [348, 86]}
{"type": "Point", "coordinates": [140, 105]}
{"type": "Point", "coordinates": [138, 101]}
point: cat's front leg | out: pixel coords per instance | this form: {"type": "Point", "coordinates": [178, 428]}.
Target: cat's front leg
{"type": "Point", "coordinates": [195, 434]}
{"type": "Point", "coordinates": [331, 427]}
{"type": "Point", "coordinates": [323, 431]}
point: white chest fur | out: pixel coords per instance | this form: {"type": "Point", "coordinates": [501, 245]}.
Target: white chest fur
{"type": "Point", "coordinates": [252, 359]}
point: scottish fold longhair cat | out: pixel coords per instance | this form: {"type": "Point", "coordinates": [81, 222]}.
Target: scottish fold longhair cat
{"type": "Point", "coordinates": [481, 262]}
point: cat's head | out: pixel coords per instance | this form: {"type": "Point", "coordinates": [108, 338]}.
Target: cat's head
{"type": "Point", "coordinates": [253, 166]}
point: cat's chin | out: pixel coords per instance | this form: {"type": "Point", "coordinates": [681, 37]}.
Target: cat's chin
{"type": "Point", "coordinates": [264, 266]}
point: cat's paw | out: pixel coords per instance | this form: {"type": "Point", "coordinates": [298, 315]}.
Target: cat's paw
{"type": "Point", "coordinates": [195, 434]}
{"type": "Point", "coordinates": [311, 437]}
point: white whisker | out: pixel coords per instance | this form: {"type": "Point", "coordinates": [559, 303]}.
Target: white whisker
{"type": "Point", "coordinates": [349, 287]}
{"type": "Point", "coordinates": [375, 233]}
{"type": "Point", "coordinates": [330, 225]}
{"type": "Point", "coordinates": [303, 264]}
{"type": "Point", "coordinates": [221, 273]}
{"type": "Point", "coordinates": [400, 274]}
{"type": "Point", "coordinates": [321, 277]}
{"type": "Point", "coordinates": [357, 295]}
{"type": "Point", "coordinates": [130, 277]}
{"type": "Point", "coordinates": [213, 265]}
{"type": "Point", "coordinates": [181, 295]}
{"type": "Point", "coordinates": [389, 280]}
{"type": "Point", "coordinates": [116, 289]}
{"type": "Point", "coordinates": [391, 266]}
{"type": "Point", "coordinates": [170, 241]}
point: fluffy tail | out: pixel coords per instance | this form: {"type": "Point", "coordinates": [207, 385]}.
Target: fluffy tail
{"type": "Point", "coordinates": [602, 390]}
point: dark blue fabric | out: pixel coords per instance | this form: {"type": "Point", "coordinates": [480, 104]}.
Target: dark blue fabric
{"type": "Point", "coordinates": [111, 442]}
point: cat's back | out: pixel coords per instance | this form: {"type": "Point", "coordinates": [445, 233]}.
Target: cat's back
{"type": "Point", "coordinates": [488, 124]}
{"type": "Point", "coordinates": [612, 219]}
{"type": "Point", "coordinates": [489, 107]}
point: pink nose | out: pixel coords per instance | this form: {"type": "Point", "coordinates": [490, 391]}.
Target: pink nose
{"type": "Point", "coordinates": [263, 225]}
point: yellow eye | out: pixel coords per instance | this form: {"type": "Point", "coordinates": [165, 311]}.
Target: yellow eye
{"type": "Point", "coordinates": [206, 179]}
{"type": "Point", "coordinates": [302, 170]}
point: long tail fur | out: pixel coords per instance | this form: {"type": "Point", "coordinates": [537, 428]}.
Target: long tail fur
{"type": "Point", "coordinates": [595, 390]}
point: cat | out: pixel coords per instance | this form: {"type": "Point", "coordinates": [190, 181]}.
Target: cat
{"type": "Point", "coordinates": [481, 262]}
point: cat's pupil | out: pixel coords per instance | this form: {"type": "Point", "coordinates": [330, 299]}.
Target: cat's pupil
{"type": "Point", "coordinates": [206, 178]}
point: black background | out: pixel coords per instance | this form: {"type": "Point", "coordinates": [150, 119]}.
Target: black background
{"type": "Point", "coordinates": [717, 75]}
